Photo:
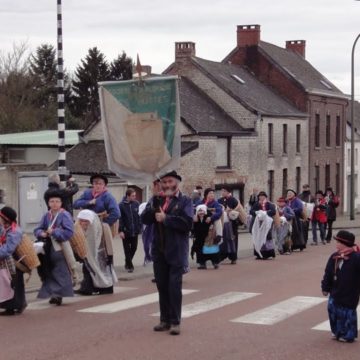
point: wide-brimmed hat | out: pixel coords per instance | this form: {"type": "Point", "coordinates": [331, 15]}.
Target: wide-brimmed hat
{"type": "Point", "coordinates": [291, 190]}
{"type": "Point", "coordinates": [345, 237]}
{"type": "Point", "coordinates": [99, 176]}
{"type": "Point", "coordinates": [173, 174]}
{"type": "Point", "coordinates": [8, 214]}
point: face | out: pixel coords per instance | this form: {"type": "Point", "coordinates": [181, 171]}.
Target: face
{"type": "Point", "coordinates": [84, 224]}
{"type": "Point", "coordinates": [98, 184]}
{"type": "Point", "coordinates": [319, 196]}
{"type": "Point", "coordinates": [281, 204]}
{"type": "Point", "coordinates": [55, 204]}
{"type": "Point", "coordinates": [262, 198]}
{"type": "Point", "coordinates": [169, 185]}
{"type": "Point", "coordinates": [2, 221]}
{"type": "Point", "coordinates": [290, 195]}
{"type": "Point", "coordinates": [224, 193]}
{"type": "Point", "coordinates": [340, 246]}
{"type": "Point", "coordinates": [201, 213]}
{"type": "Point", "coordinates": [210, 196]}
{"type": "Point", "coordinates": [132, 196]}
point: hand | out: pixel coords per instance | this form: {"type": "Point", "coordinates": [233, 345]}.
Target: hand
{"type": "Point", "coordinates": [208, 220]}
{"type": "Point", "coordinates": [122, 235]}
{"type": "Point", "coordinates": [92, 202]}
{"type": "Point", "coordinates": [160, 216]}
{"type": "Point", "coordinates": [49, 231]}
{"type": "Point", "coordinates": [44, 234]}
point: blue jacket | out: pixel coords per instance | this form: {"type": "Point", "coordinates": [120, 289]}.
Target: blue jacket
{"type": "Point", "coordinates": [297, 206]}
{"type": "Point", "coordinates": [104, 202]}
{"type": "Point", "coordinates": [172, 236]}
{"type": "Point", "coordinates": [216, 209]}
{"type": "Point", "coordinates": [129, 219]}
{"type": "Point", "coordinates": [63, 228]}
{"type": "Point", "coordinates": [13, 239]}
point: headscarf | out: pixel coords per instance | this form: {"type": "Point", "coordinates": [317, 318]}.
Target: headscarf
{"type": "Point", "coordinates": [202, 207]}
{"type": "Point", "coordinates": [86, 215]}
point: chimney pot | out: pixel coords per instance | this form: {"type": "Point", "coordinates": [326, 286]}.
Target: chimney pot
{"type": "Point", "coordinates": [248, 35]}
{"type": "Point", "coordinates": [184, 50]}
{"type": "Point", "coordinates": [297, 46]}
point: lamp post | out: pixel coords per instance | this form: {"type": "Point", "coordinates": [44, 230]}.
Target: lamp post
{"type": "Point", "coordinates": [352, 148]}
{"type": "Point", "coordinates": [60, 96]}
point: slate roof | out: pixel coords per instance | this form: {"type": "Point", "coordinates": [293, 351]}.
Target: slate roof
{"type": "Point", "coordinates": [201, 114]}
{"type": "Point", "coordinates": [300, 70]}
{"type": "Point", "coordinates": [238, 82]}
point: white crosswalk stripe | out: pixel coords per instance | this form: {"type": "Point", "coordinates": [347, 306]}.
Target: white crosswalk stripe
{"type": "Point", "coordinates": [325, 326]}
{"type": "Point", "coordinates": [44, 304]}
{"type": "Point", "coordinates": [280, 311]}
{"type": "Point", "coordinates": [127, 304]}
{"type": "Point", "coordinates": [213, 303]}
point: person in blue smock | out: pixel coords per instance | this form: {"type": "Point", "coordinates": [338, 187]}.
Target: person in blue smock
{"type": "Point", "coordinates": [10, 238]}
{"type": "Point", "coordinates": [99, 200]}
{"type": "Point", "coordinates": [55, 228]}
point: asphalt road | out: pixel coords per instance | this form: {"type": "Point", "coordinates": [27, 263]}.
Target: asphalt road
{"type": "Point", "coordinates": [223, 309]}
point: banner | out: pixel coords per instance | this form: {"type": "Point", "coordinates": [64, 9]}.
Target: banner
{"type": "Point", "coordinates": [141, 124]}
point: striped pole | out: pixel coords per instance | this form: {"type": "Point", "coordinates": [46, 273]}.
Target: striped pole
{"type": "Point", "coordinates": [60, 97]}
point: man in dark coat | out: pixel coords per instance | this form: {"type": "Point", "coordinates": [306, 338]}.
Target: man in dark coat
{"type": "Point", "coordinates": [129, 226]}
{"type": "Point", "coordinates": [332, 202]}
{"type": "Point", "coordinates": [172, 215]}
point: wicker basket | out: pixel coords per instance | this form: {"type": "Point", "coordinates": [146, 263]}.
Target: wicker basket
{"type": "Point", "coordinates": [26, 253]}
{"type": "Point", "coordinates": [78, 241]}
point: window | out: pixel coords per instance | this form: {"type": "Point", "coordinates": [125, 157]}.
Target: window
{"type": "Point", "coordinates": [317, 178]}
{"type": "Point", "coordinates": [317, 130]}
{"type": "Point", "coordinates": [337, 179]}
{"type": "Point", "coordinates": [2, 196]}
{"type": "Point", "coordinates": [285, 139]}
{"type": "Point", "coordinates": [16, 155]}
{"type": "Point", "coordinates": [298, 138]}
{"type": "Point", "coordinates": [328, 131]}
{"type": "Point", "coordinates": [223, 147]}
{"type": "Point", "coordinates": [338, 131]}
{"type": "Point", "coordinates": [271, 184]}
{"type": "Point", "coordinates": [327, 176]}
{"type": "Point", "coordinates": [284, 181]}
{"type": "Point", "coordinates": [270, 138]}
{"type": "Point", "coordinates": [298, 179]}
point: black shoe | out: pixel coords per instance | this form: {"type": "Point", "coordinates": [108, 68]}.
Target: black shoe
{"type": "Point", "coordinates": [108, 290]}
{"type": "Point", "coordinates": [82, 292]}
{"type": "Point", "coordinates": [130, 270]}
{"type": "Point", "coordinates": [56, 300]}
{"type": "Point", "coordinates": [175, 330]}
{"type": "Point", "coordinates": [21, 310]}
{"type": "Point", "coordinates": [163, 326]}
{"type": "Point", "coordinates": [216, 266]}
{"type": "Point", "coordinates": [202, 267]}
{"type": "Point", "coordinates": [153, 281]}
{"type": "Point", "coordinates": [233, 262]}
{"type": "Point", "coordinates": [8, 312]}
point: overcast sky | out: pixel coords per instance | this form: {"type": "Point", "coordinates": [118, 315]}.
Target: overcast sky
{"type": "Point", "coordinates": [150, 28]}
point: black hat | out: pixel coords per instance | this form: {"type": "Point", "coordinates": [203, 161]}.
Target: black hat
{"type": "Point", "coordinates": [329, 189]}
{"type": "Point", "coordinates": [319, 192]}
{"type": "Point", "coordinates": [8, 214]}
{"type": "Point", "coordinates": [226, 187]}
{"type": "Point", "coordinates": [262, 193]}
{"type": "Point", "coordinates": [293, 191]}
{"type": "Point", "coordinates": [345, 237]}
{"type": "Point", "coordinates": [99, 176]}
{"type": "Point", "coordinates": [206, 192]}
{"type": "Point", "coordinates": [173, 174]}
{"type": "Point", "coordinates": [53, 193]}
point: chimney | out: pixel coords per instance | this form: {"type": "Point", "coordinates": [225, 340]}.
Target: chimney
{"type": "Point", "coordinates": [248, 35]}
{"type": "Point", "coordinates": [184, 50]}
{"type": "Point", "coordinates": [297, 46]}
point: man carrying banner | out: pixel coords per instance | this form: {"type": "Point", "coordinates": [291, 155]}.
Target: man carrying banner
{"type": "Point", "coordinates": [172, 215]}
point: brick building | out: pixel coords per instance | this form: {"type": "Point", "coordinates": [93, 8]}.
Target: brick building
{"type": "Point", "coordinates": [237, 131]}
{"type": "Point", "coordinates": [292, 77]}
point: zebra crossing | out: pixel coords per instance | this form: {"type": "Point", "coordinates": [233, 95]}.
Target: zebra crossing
{"type": "Point", "coordinates": [266, 316]}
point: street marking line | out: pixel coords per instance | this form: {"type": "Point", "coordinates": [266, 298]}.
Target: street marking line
{"type": "Point", "coordinates": [44, 304]}
{"type": "Point", "coordinates": [325, 326]}
{"type": "Point", "coordinates": [128, 303]}
{"type": "Point", "coordinates": [213, 303]}
{"type": "Point", "coordinates": [280, 311]}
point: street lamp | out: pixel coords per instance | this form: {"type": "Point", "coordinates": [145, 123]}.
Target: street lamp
{"type": "Point", "coordinates": [352, 174]}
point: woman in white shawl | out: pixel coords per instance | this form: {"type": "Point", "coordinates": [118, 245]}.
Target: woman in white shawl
{"type": "Point", "coordinates": [98, 270]}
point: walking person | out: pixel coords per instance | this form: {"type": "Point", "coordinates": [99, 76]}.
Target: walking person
{"type": "Point", "coordinates": [172, 216]}
{"type": "Point", "coordinates": [308, 199]}
{"type": "Point", "coordinates": [129, 226]}
{"type": "Point", "coordinates": [56, 227]}
{"type": "Point", "coordinates": [100, 200]}
{"type": "Point", "coordinates": [319, 218]}
{"type": "Point", "coordinates": [332, 202]}
{"type": "Point", "coordinates": [12, 289]}
{"type": "Point", "coordinates": [341, 282]}
{"type": "Point", "coordinates": [297, 233]}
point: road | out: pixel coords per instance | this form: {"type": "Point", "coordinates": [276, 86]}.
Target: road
{"type": "Point", "coordinates": [224, 317]}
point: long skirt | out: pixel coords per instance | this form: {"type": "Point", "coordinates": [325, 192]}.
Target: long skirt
{"type": "Point", "coordinates": [55, 274]}
{"type": "Point", "coordinates": [297, 235]}
{"type": "Point", "coordinates": [228, 248]}
{"type": "Point", "coordinates": [18, 302]}
{"type": "Point", "coordinates": [343, 321]}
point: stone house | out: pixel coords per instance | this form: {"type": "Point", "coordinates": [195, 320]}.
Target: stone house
{"type": "Point", "coordinates": [237, 130]}
{"type": "Point", "coordinates": [288, 72]}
